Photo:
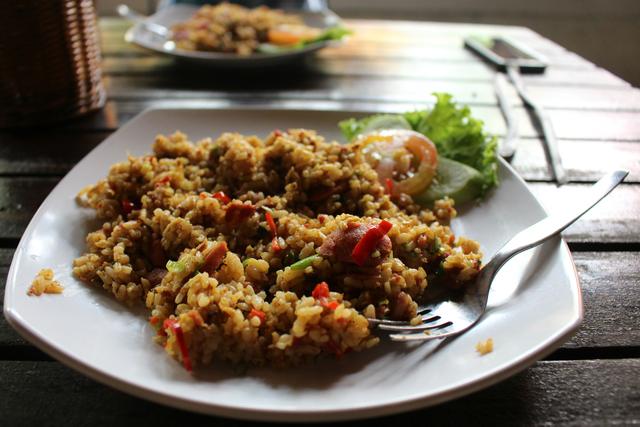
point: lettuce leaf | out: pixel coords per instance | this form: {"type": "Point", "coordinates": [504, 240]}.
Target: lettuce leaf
{"type": "Point", "coordinates": [456, 134]}
{"type": "Point", "coordinates": [332, 33]}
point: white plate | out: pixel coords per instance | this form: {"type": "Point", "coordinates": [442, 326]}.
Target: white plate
{"type": "Point", "coordinates": [166, 17]}
{"type": "Point", "coordinates": [535, 304]}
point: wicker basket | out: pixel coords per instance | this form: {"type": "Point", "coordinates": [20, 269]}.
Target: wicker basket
{"type": "Point", "coordinates": [49, 61]}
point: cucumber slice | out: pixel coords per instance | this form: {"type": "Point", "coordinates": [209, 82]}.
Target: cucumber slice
{"type": "Point", "coordinates": [270, 48]}
{"type": "Point", "coordinates": [453, 179]}
{"type": "Point", "coordinates": [385, 121]}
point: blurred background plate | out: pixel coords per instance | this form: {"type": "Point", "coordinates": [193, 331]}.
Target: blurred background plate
{"type": "Point", "coordinates": [142, 35]}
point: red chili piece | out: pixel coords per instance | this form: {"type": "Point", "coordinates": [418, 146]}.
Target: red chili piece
{"type": "Point", "coordinates": [184, 351]}
{"type": "Point", "coordinates": [331, 305]}
{"type": "Point", "coordinates": [363, 249]}
{"type": "Point", "coordinates": [321, 290]}
{"type": "Point", "coordinates": [222, 197]}
{"type": "Point", "coordinates": [257, 313]}
{"type": "Point", "coordinates": [275, 245]}
{"type": "Point", "coordinates": [274, 232]}
{"type": "Point", "coordinates": [127, 206]}
{"type": "Point", "coordinates": [388, 182]}
{"type": "Point", "coordinates": [163, 181]}
{"type": "Point", "coordinates": [271, 223]}
{"type": "Point", "coordinates": [238, 212]}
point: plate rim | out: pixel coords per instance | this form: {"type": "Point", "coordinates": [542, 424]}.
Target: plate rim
{"type": "Point", "coordinates": [359, 411]}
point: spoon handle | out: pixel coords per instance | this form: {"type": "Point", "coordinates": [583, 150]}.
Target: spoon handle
{"type": "Point", "coordinates": [137, 18]}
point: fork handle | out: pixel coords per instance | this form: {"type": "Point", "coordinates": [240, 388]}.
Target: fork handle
{"type": "Point", "coordinates": [553, 225]}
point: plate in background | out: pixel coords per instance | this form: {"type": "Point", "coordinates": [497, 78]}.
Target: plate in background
{"type": "Point", "coordinates": [142, 36]}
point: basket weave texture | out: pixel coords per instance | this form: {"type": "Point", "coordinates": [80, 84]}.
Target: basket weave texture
{"type": "Point", "coordinates": [49, 61]}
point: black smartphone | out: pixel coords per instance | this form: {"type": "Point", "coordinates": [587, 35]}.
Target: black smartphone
{"type": "Point", "coordinates": [500, 51]}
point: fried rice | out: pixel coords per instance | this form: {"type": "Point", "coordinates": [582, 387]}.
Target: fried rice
{"type": "Point", "coordinates": [231, 28]}
{"type": "Point", "coordinates": [240, 247]}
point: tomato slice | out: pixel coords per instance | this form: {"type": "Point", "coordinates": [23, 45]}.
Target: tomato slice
{"type": "Point", "coordinates": [407, 158]}
{"type": "Point", "coordinates": [285, 35]}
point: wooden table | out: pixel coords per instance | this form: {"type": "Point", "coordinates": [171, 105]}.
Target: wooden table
{"type": "Point", "coordinates": [387, 66]}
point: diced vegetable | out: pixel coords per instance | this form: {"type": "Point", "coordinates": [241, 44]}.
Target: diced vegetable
{"type": "Point", "coordinates": [304, 263]}
{"type": "Point", "coordinates": [331, 305]}
{"type": "Point", "coordinates": [175, 266]}
{"type": "Point", "coordinates": [174, 325]}
{"type": "Point", "coordinates": [321, 291]}
{"type": "Point", "coordinates": [127, 206]}
{"type": "Point", "coordinates": [365, 247]}
{"type": "Point", "coordinates": [388, 185]}
{"type": "Point", "coordinates": [257, 313]}
{"type": "Point", "coordinates": [220, 195]}
{"type": "Point", "coordinates": [274, 231]}
{"type": "Point", "coordinates": [163, 181]}
{"type": "Point", "coordinates": [275, 246]}
{"type": "Point", "coordinates": [271, 223]}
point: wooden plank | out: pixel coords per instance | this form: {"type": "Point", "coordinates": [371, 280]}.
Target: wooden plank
{"type": "Point", "coordinates": [610, 291]}
{"type": "Point", "coordinates": [44, 152]}
{"type": "Point", "coordinates": [616, 219]}
{"type": "Point", "coordinates": [19, 200]}
{"type": "Point", "coordinates": [8, 336]}
{"type": "Point", "coordinates": [552, 392]}
{"type": "Point", "coordinates": [455, 71]}
{"type": "Point", "coordinates": [578, 125]}
{"type": "Point", "coordinates": [473, 72]}
{"type": "Point", "coordinates": [362, 88]}
{"type": "Point", "coordinates": [584, 161]}
{"type": "Point", "coordinates": [351, 49]}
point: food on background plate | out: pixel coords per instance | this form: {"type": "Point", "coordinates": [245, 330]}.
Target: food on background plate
{"type": "Point", "coordinates": [232, 28]}
{"type": "Point", "coordinates": [44, 283]}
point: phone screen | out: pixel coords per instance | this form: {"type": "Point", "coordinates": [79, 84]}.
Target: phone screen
{"type": "Point", "coordinates": [501, 51]}
{"type": "Point", "coordinates": [506, 50]}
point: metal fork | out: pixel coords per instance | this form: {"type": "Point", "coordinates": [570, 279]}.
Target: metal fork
{"type": "Point", "coordinates": [449, 318]}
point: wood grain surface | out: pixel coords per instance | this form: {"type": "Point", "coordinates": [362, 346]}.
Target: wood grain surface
{"type": "Point", "coordinates": [385, 67]}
